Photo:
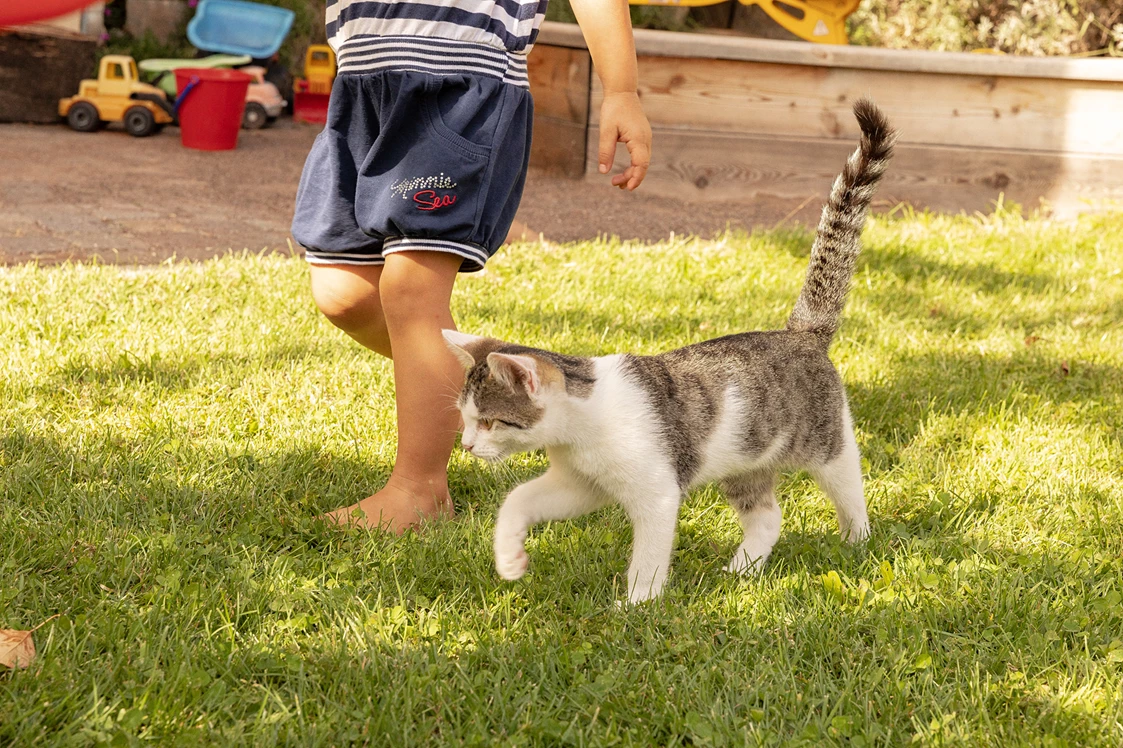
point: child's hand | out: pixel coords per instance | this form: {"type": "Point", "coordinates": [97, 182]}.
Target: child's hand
{"type": "Point", "coordinates": [622, 120]}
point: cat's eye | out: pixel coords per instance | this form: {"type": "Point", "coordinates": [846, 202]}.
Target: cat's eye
{"type": "Point", "coordinates": [485, 423]}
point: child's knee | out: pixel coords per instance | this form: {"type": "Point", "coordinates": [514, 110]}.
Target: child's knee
{"type": "Point", "coordinates": [348, 299]}
{"type": "Point", "coordinates": [408, 295]}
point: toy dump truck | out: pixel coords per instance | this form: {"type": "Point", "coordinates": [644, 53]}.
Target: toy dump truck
{"type": "Point", "coordinates": [312, 92]}
{"type": "Point", "coordinates": [117, 96]}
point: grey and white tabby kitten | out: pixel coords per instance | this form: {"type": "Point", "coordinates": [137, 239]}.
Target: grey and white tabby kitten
{"type": "Point", "coordinates": [643, 430]}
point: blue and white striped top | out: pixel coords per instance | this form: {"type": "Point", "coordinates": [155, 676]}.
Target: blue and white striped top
{"type": "Point", "coordinates": [442, 37]}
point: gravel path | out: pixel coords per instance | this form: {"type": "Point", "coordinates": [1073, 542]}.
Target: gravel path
{"type": "Point", "coordinates": [72, 196]}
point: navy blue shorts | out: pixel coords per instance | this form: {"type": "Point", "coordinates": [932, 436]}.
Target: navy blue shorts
{"type": "Point", "coordinates": [414, 161]}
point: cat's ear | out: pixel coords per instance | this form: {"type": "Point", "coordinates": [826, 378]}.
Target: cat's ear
{"type": "Point", "coordinates": [514, 371]}
{"type": "Point", "coordinates": [462, 344]}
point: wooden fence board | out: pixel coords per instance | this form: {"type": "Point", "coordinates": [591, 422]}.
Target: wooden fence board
{"type": "Point", "coordinates": [799, 100]}
{"type": "Point", "coordinates": [559, 81]}
{"type": "Point", "coordinates": [739, 118]}
{"type": "Point", "coordinates": [722, 47]}
{"type": "Point", "coordinates": [38, 66]}
{"type": "Point", "coordinates": [700, 165]}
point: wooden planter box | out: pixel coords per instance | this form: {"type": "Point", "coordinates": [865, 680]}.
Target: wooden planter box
{"type": "Point", "coordinates": [737, 118]}
{"type": "Point", "coordinates": [38, 66]}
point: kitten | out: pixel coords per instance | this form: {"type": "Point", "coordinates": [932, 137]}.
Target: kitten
{"type": "Point", "coordinates": [642, 430]}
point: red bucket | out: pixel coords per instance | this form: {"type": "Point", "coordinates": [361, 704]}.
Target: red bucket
{"type": "Point", "coordinates": [209, 107]}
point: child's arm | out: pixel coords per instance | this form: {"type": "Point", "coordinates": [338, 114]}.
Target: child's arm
{"type": "Point", "coordinates": [607, 27]}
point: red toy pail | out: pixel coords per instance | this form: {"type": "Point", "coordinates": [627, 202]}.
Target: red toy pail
{"type": "Point", "coordinates": [209, 107]}
{"type": "Point", "coordinates": [13, 12]}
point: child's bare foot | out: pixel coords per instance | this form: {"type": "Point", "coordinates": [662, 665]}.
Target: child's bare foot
{"type": "Point", "coordinates": [401, 505]}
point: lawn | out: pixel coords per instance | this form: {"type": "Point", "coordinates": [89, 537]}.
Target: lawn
{"type": "Point", "coordinates": [168, 435]}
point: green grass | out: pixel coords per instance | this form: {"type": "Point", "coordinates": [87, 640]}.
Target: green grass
{"type": "Point", "coordinates": [167, 435]}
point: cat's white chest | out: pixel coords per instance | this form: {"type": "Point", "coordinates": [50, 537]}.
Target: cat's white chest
{"type": "Point", "coordinates": [620, 446]}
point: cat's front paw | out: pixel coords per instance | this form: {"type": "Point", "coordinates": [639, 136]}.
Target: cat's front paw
{"type": "Point", "coordinates": [857, 533]}
{"type": "Point", "coordinates": [511, 563]}
{"type": "Point", "coordinates": [637, 598]}
{"type": "Point", "coordinates": [744, 565]}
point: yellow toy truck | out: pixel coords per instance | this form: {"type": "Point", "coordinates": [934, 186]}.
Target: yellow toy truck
{"type": "Point", "coordinates": [117, 96]}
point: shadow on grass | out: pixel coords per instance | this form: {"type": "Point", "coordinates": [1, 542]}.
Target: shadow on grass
{"type": "Point", "coordinates": [133, 519]}
{"type": "Point", "coordinates": [915, 386]}
{"type": "Point", "coordinates": [158, 554]}
{"type": "Point", "coordinates": [176, 374]}
{"type": "Point", "coordinates": [986, 278]}
{"type": "Point", "coordinates": [905, 300]}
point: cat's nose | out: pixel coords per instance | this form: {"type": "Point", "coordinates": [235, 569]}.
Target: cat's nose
{"type": "Point", "coordinates": [467, 445]}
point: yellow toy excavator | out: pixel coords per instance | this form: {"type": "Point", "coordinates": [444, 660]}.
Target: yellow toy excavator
{"type": "Point", "coordinates": [822, 21]}
{"type": "Point", "coordinates": [118, 95]}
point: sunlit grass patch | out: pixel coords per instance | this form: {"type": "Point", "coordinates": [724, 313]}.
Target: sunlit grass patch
{"type": "Point", "coordinates": [168, 435]}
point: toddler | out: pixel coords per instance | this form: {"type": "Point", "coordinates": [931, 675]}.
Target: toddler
{"type": "Point", "coordinates": [417, 176]}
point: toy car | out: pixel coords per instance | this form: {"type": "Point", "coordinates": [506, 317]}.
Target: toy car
{"type": "Point", "coordinates": [117, 96]}
{"type": "Point", "coordinates": [263, 101]}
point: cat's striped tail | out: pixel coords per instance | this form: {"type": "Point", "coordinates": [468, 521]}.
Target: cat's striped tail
{"type": "Point", "coordinates": [838, 238]}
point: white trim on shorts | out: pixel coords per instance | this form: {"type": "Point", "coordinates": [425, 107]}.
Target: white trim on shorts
{"type": "Point", "coordinates": [476, 257]}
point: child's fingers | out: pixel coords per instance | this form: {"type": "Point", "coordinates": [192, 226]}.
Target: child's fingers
{"type": "Point", "coordinates": [641, 159]}
{"type": "Point", "coordinates": [627, 179]}
{"type": "Point", "coordinates": [606, 152]}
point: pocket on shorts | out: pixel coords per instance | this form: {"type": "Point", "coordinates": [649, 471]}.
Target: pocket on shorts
{"type": "Point", "coordinates": [469, 105]}
{"type": "Point", "coordinates": [430, 178]}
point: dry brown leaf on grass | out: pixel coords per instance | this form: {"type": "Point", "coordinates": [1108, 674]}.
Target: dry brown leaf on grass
{"type": "Point", "coordinates": [17, 649]}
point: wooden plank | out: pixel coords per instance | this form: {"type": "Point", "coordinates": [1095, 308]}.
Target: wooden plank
{"type": "Point", "coordinates": [39, 66]}
{"type": "Point", "coordinates": [559, 81]}
{"type": "Point", "coordinates": [558, 147]}
{"type": "Point", "coordinates": [721, 47]}
{"type": "Point", "coordinates": [557, 34]}
{"type": "Point", "coordinates": [937, 109]}
{"type": "Point", "coordinates": [700, 165]}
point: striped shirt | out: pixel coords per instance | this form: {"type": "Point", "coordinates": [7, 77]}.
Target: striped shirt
{"type": "Point", "coordinates": [441, 37]}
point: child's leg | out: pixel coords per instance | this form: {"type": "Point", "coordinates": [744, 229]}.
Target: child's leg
{"type": "Point", "coordinates": [348, 297]}
{"type": "Point", "coordinates": [413, 292]}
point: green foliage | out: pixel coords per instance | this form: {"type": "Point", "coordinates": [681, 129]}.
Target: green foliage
{"type": "Point", "coordinates": [147, 46]}
{"type": "Point", "coordinates": [1034, 27]}
{"type": "Point", "coordinates": [307, 28]}
{"type": "Point", "coordinates": [168, 434]}
{"type": "Point", "coordinates": [643, 16]}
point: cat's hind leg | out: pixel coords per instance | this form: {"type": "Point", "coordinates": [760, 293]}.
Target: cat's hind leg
{"type": "Point", "coordinates": [753, 496]}
{"type": "Point", "coordinates": [553, 495]}
{"type": "Point", "coordinates": [841, 481]}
